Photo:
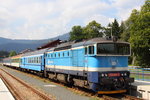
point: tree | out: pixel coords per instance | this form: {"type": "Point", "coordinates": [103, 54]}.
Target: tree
{"type": "Point", "coordinates": [108, 30]}
{"type": "Point", "coordinates": [3, 54]}
{"type": "Point", "coordinates": [124, 31]}
{"type": "Point", "coordinates": [12, 53]}
{"type": "Point", "coordinates": [115, 28]}
{"type": "Point", "coordinates": [92, 30]}
{"type": "Point", "coordinates": [139, 28]}
{"type": "Point", "coordinates": [76, 33]}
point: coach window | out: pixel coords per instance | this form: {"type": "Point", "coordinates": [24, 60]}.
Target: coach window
{"type": "Point", "coordinates": [91, 49]}
{"type": "Point", "coordinates": [28, 60]}
{"type": "Point", "coordinates": [39, 59]}
{"type": "Point", "coordinates": [36, 60]}
{"type": "Point", "coordinates": [32, 59]}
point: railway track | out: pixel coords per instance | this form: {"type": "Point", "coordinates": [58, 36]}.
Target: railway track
{"type": "Point", "coordinates": [122, 97]}
{"type": "Point", "coordinates": [20, 89]}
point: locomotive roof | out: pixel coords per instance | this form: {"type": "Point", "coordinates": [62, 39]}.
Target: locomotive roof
{"type": "Point", "coordinates": [36, 52]}
{"type": "Point", "coordinates": [73, 44]}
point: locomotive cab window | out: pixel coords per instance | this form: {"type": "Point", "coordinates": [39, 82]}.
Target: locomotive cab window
{"type": "Point", "coordinates": [113, 48]}
{"type": "Point", "coordinates": [91, 49]}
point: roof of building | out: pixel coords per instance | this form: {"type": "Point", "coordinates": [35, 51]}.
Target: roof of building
{"type": "Point", "coordinates": [50, 44]}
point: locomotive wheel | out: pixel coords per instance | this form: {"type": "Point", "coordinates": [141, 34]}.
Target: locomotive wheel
{"type": "Point", "coordinates": [70, 80]}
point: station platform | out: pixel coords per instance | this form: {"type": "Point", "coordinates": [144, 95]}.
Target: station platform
{"type": "Point", "coordinates": [5, 94]}
{"type": "Point", "coordinates": [141, 89]}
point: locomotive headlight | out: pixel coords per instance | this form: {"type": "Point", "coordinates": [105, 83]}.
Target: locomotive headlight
{"type": "Point", "coordinates": [122, 74]}
{"type": "Point", "coordinates": [106, 75]}
{"type": "Point", "coordinates": [125, 74]}
{"type": "Point", "coordinates": [102, 75]}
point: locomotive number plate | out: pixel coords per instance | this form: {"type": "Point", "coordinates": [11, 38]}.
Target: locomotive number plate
{"type": "Point", "coordinates": [113, 74]}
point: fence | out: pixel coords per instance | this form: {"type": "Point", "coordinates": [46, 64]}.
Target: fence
{"type": "Point", "coordinates": [140, 73]}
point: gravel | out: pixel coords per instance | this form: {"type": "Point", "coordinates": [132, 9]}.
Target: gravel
{"type": "Point", "coordinates": [59, 92]}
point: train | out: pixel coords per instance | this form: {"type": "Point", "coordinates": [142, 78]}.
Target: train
{"type": "Point", "coordinates": [99, 64]}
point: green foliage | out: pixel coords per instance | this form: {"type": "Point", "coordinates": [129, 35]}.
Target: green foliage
{"type": "Point", "coordinates": [76, 33]}
{"type": "Point", "coordinates": [124, 31]}
{"type": "Point", "coordinates": [107, 30]}
{"type": "Point", "coordinates": [115, 28]}
{"type": "Point", "coordinates": [92, 30]}
{"type": "Point", "coordinates": [3, 54]}
{"type": "Point", "coordinates": [12, 53]}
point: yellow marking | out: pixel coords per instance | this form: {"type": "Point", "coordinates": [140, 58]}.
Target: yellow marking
{"type": "Point", "coordinates": [112, 92]}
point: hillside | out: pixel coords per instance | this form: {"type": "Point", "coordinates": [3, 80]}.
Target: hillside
{"type": "Point", "coordinates": [19, 45]}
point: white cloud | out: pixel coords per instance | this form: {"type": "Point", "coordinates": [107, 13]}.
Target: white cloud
{"type": "Point", "coordinates": [125, 7]}
{"type": "Point", "coordinates": [38, 19]}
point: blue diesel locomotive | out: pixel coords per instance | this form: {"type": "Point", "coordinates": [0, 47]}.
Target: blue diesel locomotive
{"type": "Point", "coordinates": [98, 64]}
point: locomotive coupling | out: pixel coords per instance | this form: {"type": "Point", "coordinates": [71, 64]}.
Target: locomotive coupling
{"type": "Point", "coordinates": [106, 81]}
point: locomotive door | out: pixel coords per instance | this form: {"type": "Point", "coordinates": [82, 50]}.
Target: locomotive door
{"type": "Point", "coordinates": [78, 59]}
{"type": "Point", "coordinates": [86, 59]}
{"type": "Point", "coordinates": [75, 58]}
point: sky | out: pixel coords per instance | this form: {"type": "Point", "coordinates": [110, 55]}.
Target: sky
{"type": "Point", "coordinates": [43, 19]}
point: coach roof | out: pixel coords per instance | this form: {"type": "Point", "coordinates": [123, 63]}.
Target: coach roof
{"type": "Point", "coordinates": [36, 52]}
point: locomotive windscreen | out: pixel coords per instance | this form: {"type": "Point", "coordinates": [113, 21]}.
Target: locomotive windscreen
{"type": "Point", "coordinates": [113, 48]}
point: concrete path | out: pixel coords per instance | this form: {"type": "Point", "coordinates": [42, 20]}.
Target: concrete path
{"type": "Point", "coordinates": [4, 92]}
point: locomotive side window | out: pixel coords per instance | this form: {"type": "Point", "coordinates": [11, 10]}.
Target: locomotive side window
{"type": "Point", "coordinates": [68, 54]}
{"type": "Point", "coordinates": [91, 49]}
{"type": "Point", "coordinates": [85, 50]}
